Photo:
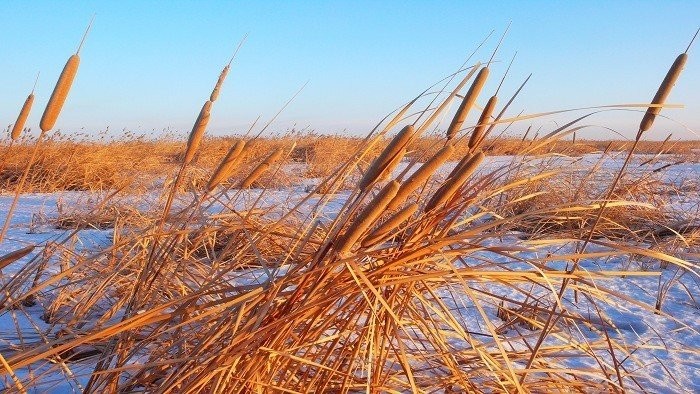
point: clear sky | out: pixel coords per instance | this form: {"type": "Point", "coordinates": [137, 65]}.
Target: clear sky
{"type": "Point", "coordinates": [149, 65]}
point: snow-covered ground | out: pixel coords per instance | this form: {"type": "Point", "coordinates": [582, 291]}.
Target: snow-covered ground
{"type": "Point", "coordinates": [670, 341]}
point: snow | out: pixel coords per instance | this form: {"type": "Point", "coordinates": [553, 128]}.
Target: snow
{"type": "Point", "coordinates": [669, 340]}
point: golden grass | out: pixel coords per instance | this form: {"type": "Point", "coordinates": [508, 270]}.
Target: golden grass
{"type": "Point", "coordinates": [340, 292]}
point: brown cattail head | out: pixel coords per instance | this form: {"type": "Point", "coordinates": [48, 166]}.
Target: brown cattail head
{"type": "Point", "coordinates": [467, 102]}
{"type": "Point", "coordinates": [60, 92]}
{"type": "Point", "coordinates": [22, 118]}
{"type": "Point", "coordinates": [460, 164]}
{"type": "Point", "coordinates": [227, 165]}
{"type": "Point", "coordinates": [662, 94]}
{"type": "Point", "coordinates": [367, 217]}
{"type": "Point", "coordinates": [261, 168]}
{"type": "Point", "coordinates": [389, 169]}
{"type": "Point", "coordinates": [388, 155]}
{"type": "Point", "coordinates": [478, 133]}
{"type": "Point", "coordinates": [197, 133]}
{"type": "Point", "coordinates": [453, 183]}
{"type": "Point", "coordinates": [392, 223]}
{"type": "Point", "coordinates": [219, 82]}
{"type": "Point", "coordinates": [421, 176]}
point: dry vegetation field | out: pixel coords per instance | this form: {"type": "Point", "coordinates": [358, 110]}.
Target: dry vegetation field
{"type": "Point", "coordinates": [408, 260]}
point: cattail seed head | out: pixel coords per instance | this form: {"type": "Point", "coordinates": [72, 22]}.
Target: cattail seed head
{"type": "Point", "coordinates": [367, 217]}
{"type": "Point", "coordinates": [459, 165]}
{"type": "Point", "coordinates": [217, 89]}
{"type": "Point", "coordinates": [389, 169]}
{"type": "Point", "coordinates": [228, 164]}
{"type": "Point", "coordinates": [467, 102]}
{"type": "Point", "coordinates": [421, 176]}
{"type": "Point", "coordinates": [452, 184]}
{"type": "Point", "coordinates": [389, 154]}
{"type": "Point", "coordinates": [662, 94]}
{"type": "Point", "coordinates": [261, 168]}
{"type": "Point", "coordinates": [60, 92]}
{"type": "Point", "coordinates": [22, 118]}
{"type": "Point", "coordinates": [389, 225]}
{"type": "Point", "coordinates": [197, 133]}
{"type": "Point", "coordinates": [478, 133]}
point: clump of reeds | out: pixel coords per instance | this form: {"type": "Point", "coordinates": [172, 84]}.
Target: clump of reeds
{"type": "Point", "coordinates": [373, 291]}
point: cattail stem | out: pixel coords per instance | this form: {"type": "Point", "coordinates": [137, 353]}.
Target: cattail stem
{"type": "Point", "coordinates": [20, 186]}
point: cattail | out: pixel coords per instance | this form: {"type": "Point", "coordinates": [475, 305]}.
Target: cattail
{"type": "Point", "coordinates": [421, 176]}
{"type": "Point", "coordinates": [378, 166]}
{"type": "Point", "coordinates": [227, 165]}
{"type": "Point", "coordinates": [261, 168]}
{"type": "Point", "coordinates": [22, 118]}
{"type": "Point", "coordinates": [452, 184]}
{"type": "Point", "coordinates": [389, 169]}
{"type": "Point", "coordinates": [662, 94]}
{"type": "Point", "coordinates": [215, 93]}
{"type": "Point", "coordinates": [63, 85]}
{"type": "Point", "coordinates": [60, 92]}
{"type": "Point", "coordinates": [393, 222]}
{"type": "Point", "coordinates": [460, 165]}
{"type": "Point", "coordinates": [11, 257]}
{"type": "Point", "coordinates": [197, 133]}
{"type": "Point", "coordinates": [478, 133]}
{"type": "Point", "coordinates": [367, 217]}
{"type": "Point", "coordinates": [467, 102]}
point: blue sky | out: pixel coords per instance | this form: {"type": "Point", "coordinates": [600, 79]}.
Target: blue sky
{"type": "Point", "coordinates": [149, 65]}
